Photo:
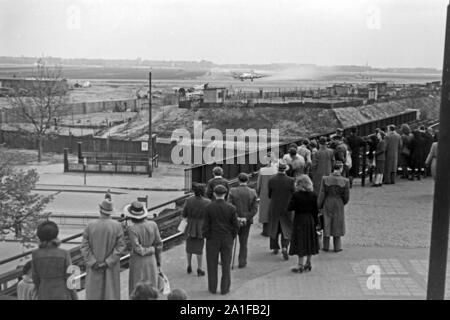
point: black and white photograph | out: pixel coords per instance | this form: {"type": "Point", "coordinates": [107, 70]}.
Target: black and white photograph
{"type": "Point", "coordinates": [225, 152]}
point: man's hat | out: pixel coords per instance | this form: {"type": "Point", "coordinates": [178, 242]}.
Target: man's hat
{"type": "Point", "coordinates": [338, 165]}
{"type": "Point", "coordinates": [282, 166]}
{"type": "Point", "coordinates": [106, 207]}
{"type": "Point", "coordinates": [220, 190]}
{"type": "Point", "coordinates": [135, 210]}
{"type": "Point", "coordinates": [243, 177]}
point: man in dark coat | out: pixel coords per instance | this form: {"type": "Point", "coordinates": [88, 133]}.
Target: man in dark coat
{"type": "Point", "coordinates": [220, 227]}
{"type": "Point", "coordinates": [246, 203]}
{"type": "Point", "coordinates": [417, 154]}
{"type": "Point", "coordinates": [281, 188]}
{"type": "Point", "coordinates": [215, 181]}
{"type": "Point", "coordinates": [354, 143]}
{"type": "Point", "coordinates": [102, 246]}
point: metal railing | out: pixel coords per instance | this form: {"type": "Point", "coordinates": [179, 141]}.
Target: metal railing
{"type": "Point", "coordinates": [165, 221]}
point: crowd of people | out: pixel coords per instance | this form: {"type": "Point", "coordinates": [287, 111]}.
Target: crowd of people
{"type": "Point", "coordinates": [300, 199]}
{"type": "Point", "coordinates": [288, 209]}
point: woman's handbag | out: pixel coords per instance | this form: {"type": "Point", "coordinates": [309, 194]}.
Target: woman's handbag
{"type": "Point", "coordinates": [348, 160]}
{"type": "Point", "coordinates": [406, 152]}
{"type": "Point", "coordinates": [163, 283]}
{"type": "Point", "coordinates": [182, 226]}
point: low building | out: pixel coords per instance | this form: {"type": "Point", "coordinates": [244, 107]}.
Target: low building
{"type": "Point", "coordinates": [380, 86]}
{"type": "Point", "coordinates": [29, 86]}
{"type": "Point", "coordinates": [342, 90]}
{"type": "Point", "coordinates": [372, 94]}
{"type": "Point", "coordinates": [214, 95]}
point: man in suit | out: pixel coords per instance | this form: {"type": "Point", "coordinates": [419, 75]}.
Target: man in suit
{"type": "Point", "coordinates": [220, 227]}
{"type": "Point", "coordinates": [246, 203]}
{"type": "Point", "coordinates": [216, 180]}
{"type": "Point", "coordinates": [281, 188]}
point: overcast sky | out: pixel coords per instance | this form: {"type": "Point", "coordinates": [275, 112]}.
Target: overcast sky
{"type": "Point", "coordinates": [383, 33]}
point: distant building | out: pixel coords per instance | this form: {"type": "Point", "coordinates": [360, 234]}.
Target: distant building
{"type": "Point", "coordinates": [380, 86]}
{"type": "Point", "coordinates": [214, 95]}
{"type": "Point", "coordinates": [434, 86]}
{"type": "Point", "coordinates": [342, 90]}
{"type": "Point", "coordinates": [372, 94]}
{"type": "Point", "coordinates": [26, 86]}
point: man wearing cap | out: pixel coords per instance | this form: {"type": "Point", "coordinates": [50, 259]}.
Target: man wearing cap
{"type": "Point", "coordinates": [220, 227]}
{"type": "Point", "coordinates": [246, 203]}
{"type": "Point", "coordinates": [281, 188]}
{"type": "Point", "coordinates": [102, 245]}
{"type": "Point", "coordinates": [333, 196]}
{"type": "Point", "coordinates": [215, 181]}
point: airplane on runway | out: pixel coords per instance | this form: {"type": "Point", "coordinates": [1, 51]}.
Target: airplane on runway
{"type": "Point", "coordinates": [247, 75]}
{"type": "Point", "coordinates": [199, 87]}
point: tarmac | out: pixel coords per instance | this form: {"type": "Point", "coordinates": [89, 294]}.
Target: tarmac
{"type": "Point", "coordinates": [381, 268]}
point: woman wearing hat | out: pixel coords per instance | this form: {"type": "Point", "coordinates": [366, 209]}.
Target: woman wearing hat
{"type": "Point", "coordinates": [50, 265]}
{"type": "Point", "coordinates": [145, 257]}
{"type": "Point", "coordinates": [194, 212]}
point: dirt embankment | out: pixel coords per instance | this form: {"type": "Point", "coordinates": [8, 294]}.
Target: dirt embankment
{"type": "Point", "coordinates": [292, 122]}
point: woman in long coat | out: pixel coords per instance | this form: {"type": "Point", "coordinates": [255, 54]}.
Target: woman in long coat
{"type": "Point", "coordinates": [50, 265]}
{"type": "Point", "coordinates": [334, 195]}
{"type": "Point", "coordinates": [262, 190]}
{"type": "Point", "coordinates": [304, 239]}
{"type": "Point", "coordinates": [194, 212]}
{"type": "Point", "coordinates": [145, 257]}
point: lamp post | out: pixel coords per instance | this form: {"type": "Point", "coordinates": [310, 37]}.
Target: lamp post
{"type": "Point", "coordinates": [441, 206]}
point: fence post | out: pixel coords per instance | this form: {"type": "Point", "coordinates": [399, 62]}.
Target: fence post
{"type": "Point", "coordinates": [80, 154]}
{"type": "Point", "coordinates": [364, 160]}
{"type": "Point", "coordinates": [66, 160]}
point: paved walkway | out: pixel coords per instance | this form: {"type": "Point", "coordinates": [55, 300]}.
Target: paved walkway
{"type": "Point", "coordinates": [402, 264]}
{"type": "Point", "coordinates": [165, 177]}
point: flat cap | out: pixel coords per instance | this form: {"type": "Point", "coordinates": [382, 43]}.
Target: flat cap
{"type": "Point", "coordinates": [220, 189]}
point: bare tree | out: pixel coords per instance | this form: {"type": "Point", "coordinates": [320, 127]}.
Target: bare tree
{"type": "Point", "coordinates": [40, 104]}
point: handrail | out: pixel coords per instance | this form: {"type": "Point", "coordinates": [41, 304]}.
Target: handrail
{"type": "Point", "coordinates": [26, 253]}
{"type": "Point", "coordinates": [127, 256]}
